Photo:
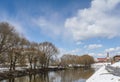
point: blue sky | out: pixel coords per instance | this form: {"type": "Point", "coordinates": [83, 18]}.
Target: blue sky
{"type": "Point", "coordinates": [74, 26]}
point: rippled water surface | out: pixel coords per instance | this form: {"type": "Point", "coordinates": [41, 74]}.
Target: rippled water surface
{"type": "Point", "coordinates": [72, 75]}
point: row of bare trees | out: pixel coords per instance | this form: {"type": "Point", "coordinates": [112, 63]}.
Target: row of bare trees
{"type": "Point", "coordinates": [84, 60]}
{"type": "Point", "coordinates": [17, 50]}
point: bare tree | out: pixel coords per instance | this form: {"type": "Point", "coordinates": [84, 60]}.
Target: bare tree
{"type": "Point", "coordinates": [42, 58]}
{"type": "Point", "coordinates": [69, 59]}
{"type": "Point", "coordinates": [16, 52]}
{"type": "Point", "coordinates": [87, 60]}
{"type": "Point", "coordinates": [15, 49]}
{"type": "Point", "coordinates": [10, 44]}
{"type": "Point", "coordinates": [49, 51]}
{"type": "Point", "coordinates": [31, 52]}
{"type": "Point", "coordinates": [74, 60]}
{"type": "Point", "coordinates": [6, 38]}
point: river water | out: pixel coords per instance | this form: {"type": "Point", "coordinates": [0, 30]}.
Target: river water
{"type": "Point", "coordinates": [71, 75]}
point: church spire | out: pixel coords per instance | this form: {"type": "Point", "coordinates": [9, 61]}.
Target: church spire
{"type": "Point", "coordinates": [108, 58]}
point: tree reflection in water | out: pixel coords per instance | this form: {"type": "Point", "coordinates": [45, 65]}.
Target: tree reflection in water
{"type": "Point", "coordinates": [71, 75]}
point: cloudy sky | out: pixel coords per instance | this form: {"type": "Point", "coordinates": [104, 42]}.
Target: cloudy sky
{"type": "Point", "coordinates": [74, 26]}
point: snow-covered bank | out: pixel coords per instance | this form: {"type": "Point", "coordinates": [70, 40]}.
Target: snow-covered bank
{"type": "Point", "coordinates": [97, 66]}
{"type": "Point", "coordinates": [102, 75]}
{"type": "Point", "coordinates": [3, 69]}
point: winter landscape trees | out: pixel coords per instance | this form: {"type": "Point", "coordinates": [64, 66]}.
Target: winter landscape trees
{"type": "Point", "coordinates": [75, 60]}
{"type": "Point", "coordinates": [16, 50]}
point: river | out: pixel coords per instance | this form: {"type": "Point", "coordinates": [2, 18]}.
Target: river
{"type": "Point", "coordinates": [71, 75]}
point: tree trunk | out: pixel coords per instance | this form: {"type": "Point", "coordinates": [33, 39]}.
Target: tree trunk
{"type": "Point", "coordinates": [35, 65]}
{"type": "Point", "coordinates": [30, 65]}
{"type": "Point", "coordinates": [10, 67]}
{"type": "Point", "coordinates": [14, 63]}
{"type": "Point", "coordinates": [11, 64]}
{"type": "Point", "coordinates": [14, 66]}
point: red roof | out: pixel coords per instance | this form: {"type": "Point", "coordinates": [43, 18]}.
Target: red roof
{"type": "Point", "coordinates": [101, 59]}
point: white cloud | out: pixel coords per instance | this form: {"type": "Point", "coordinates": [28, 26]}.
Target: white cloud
{"type": "Point", "coordinates": [93, 46]}
{"type": "Point", "coordinates": [65, 51]}
{"type": "Point", "coordinates": [92, 54]}
{"type": "Point", "coordinates": [99, 20]}
{"type": "Point", "coordinates": [75, 51]}
{"type": "Point", "coordinates": [96, 54]}
{"type": "Point", "coordinates": [47, 26]}
{"type": "Point", "coordinates": [113, 50]}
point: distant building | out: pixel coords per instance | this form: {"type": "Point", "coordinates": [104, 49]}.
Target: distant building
{"type": "Point", "coordinates": [106, 59]}
{"type": "Point", "coordinates": [101, 60]}
{"type": "Point", "coordinates": [116, 58]}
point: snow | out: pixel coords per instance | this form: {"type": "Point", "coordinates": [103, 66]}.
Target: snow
{"type": "Point", "coordinates": [3, 69]}
{"type": "Point", "coordinates": [97, 66]}
{"type": "Point", "coordinates": [102, 75]}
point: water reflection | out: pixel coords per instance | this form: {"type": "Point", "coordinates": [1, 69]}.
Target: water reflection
{"type": "Point", "coordinates": [72, 75]}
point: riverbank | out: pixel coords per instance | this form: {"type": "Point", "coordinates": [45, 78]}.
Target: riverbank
{"type": "Point", "coordinates": [97, 66]}
{"type": "Point", "coordinates": [67, 75]}
{"type": "Point", "coordinates": [19, 73]}
{"type": "Point", "coordinates": [103, 75]}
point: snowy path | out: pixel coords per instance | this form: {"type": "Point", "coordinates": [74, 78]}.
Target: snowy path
{"type": "Point", "coordinates": [102, 75]}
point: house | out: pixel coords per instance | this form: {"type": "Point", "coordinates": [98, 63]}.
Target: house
{"type": "Point", "coordinates": [116, 58]}
{"type": "Point", "coordinates": [100, 60]}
